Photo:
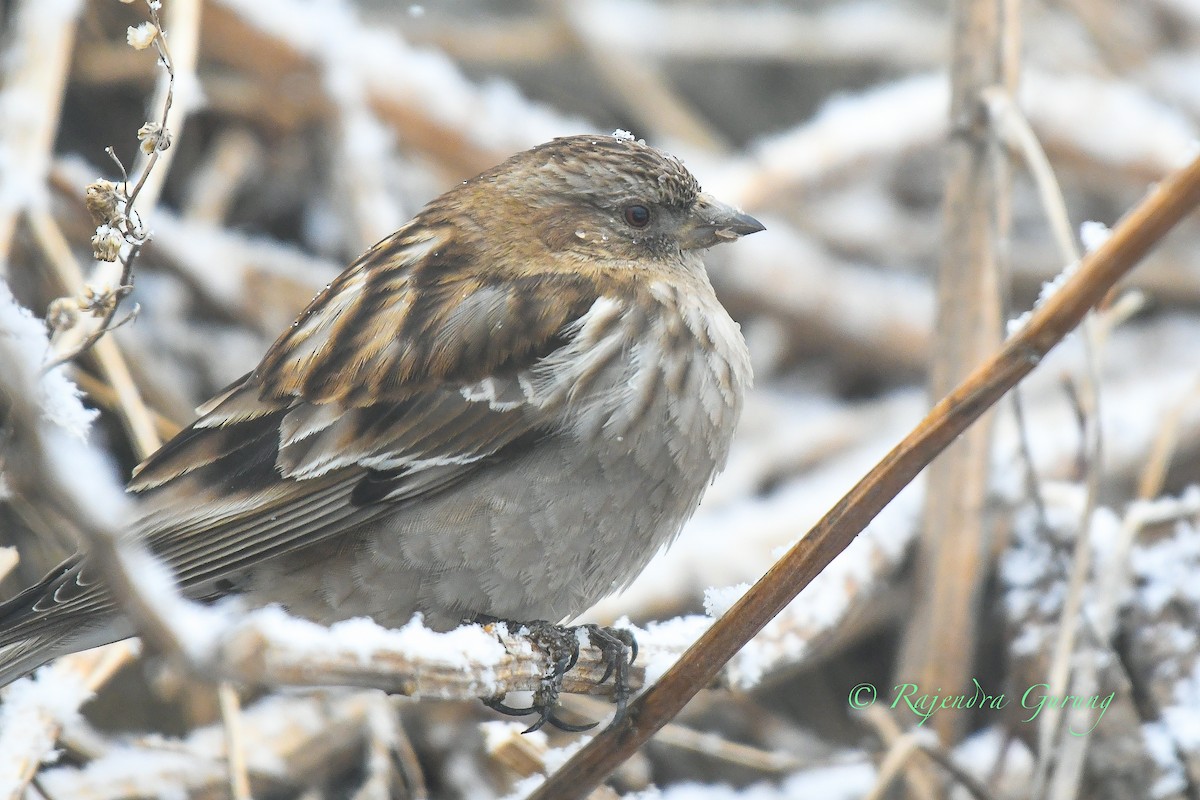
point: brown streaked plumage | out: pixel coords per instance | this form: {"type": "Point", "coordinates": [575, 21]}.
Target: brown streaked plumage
{"type": "Point", "coordinates": [503, 409]}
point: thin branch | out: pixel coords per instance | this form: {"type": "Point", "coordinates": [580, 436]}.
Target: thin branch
{"type": "Point", "coordinates": [235, 742]}
{"type": "Point", "coordinates": [37, 61]}
{"type": "Point", "coordinates": [408, 764]}
{"type": "Point", "coordinates": [709, 745]}
{"type": "Point", "coordinates": [136, 417]}
{"type": "Point", "coordinates": [121, 218]}
{"type": "Point", "coordinates": [968, 781]}
{"type": "Point", "coordinates": [176, 89]}
{"type": "Point", "coordinates": [901, 746]}
{"type": "Point", "coordinates": [953, 553]}
{"type": "Point", "coordinates": [1020, 136]}
{"type": "Point", "coordinates": [1154, 474]}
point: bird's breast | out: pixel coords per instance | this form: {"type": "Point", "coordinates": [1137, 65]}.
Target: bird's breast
{"type": "Point", "coordinates": [661, 387]}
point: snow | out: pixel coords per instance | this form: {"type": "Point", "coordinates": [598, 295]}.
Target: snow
{"type": "Point", "coordinates": [881, 121]}
{"type": "Point", "coordinates": [1048, 290]}
{"type": "Point", "coordinates": [494, 116]}
{"type": "Point", "coordinates": [154, 766]}
{"type": "Point", "coordinates": [89, 475]}
{"type": "Point", "coordinates": [1093, 234]}
{"type": "Point", "coordinates": [525, 787]}
{"type": "Point", "coordinates": [198, 628]}
{"type": "Point", "coordinates": [1159, 744]}
{"type": "Point", "coordinates": [465, 647]}
{"type": "Point", "coordinates": [978, 753]}
{"type": "Point", "coordinates": [556, 757]}
{"type": "Point", "coordinates": [837, 782]}
{"type": "Point", "coordinates": [1113, 121]}
{"type": "Point", "coordinates": [114, 775]}
{"type": "Point", "coordinates": [33, 710]}
{"type": "Point", "coordinates": [659, 649]}
{"type": "Point", "coordinates": [863, 30]}
{"type": "Point", "coordinates": [1166, 569]}
{"type": "Point", "coordinates": [1182, 718]}
{"type": "Point", "coordinates": [497, 733]}
{"type": "Point", "coordinates": [56, 692]}
{"type": "Point", "coordinates": [85, 471]}
{"type": "Point", "coordinates": [717, 601]}
{"type": "Point", "coordinates": [58, 397]}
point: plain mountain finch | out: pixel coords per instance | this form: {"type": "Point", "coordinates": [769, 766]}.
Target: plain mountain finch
{"type": "Point", "coordinates": [501, 410]}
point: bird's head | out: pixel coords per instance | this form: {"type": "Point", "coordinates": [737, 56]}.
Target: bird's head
{"type": "Point", "coordinates": [606, 198]}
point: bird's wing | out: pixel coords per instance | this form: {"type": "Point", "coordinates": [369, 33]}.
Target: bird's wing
{"type": "Point", "coordinates": [404, 376]}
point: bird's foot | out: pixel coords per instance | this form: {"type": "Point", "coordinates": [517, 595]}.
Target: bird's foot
{"type": "Point", "coordinates": [561, 643]}
{"type": "Point", "coordinates": [619, 649]}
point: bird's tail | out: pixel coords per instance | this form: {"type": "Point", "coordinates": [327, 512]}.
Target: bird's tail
{"type": "Point", "coordinates": [21, 658]}
{"type": "Point", "coordinates": [63, 613]}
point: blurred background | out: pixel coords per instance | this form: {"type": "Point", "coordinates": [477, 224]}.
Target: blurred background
{"type": "Point", "coordinates": [916, 165]}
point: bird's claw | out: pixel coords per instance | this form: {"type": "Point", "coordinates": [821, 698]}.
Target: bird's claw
{"type": "Point", "coordinates": [619, 649]}
{"type": "Point", "coordinates": [545, 714]}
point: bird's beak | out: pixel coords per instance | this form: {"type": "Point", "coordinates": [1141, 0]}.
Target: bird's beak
{"type": "Point", "coordinates": [712, 222]}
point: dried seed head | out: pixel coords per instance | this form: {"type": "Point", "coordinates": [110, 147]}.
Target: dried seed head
{"type": "Point", "coordinates": [97, 300]}
{"type": "Point", "coordinates": [142, 36]}
{"type": "Point", "coordinates": [153, 136]}
{"type": "Point", "coordinates": [106, 243]}
{"type": "Point", "coordinates": [103, 201]}
{"type": "Point", "coordinates": [62, 314]}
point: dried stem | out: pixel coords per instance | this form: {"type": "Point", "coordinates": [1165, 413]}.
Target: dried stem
{"type": "Point", "coordinates": [235, 741]}
{"type": "Point", "coordinates": [953, 553]}
{"type": "Point", "coordinates": [38, 43]}
{"type": "Point", "coordinates": [127, 221]}
{"type": "Point", "coordinates": [1016, 131]}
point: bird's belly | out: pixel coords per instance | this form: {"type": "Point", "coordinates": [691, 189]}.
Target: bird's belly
{"type": "Point", "coordinates": [543, 535]}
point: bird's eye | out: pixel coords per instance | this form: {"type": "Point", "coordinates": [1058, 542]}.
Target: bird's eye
{"type": "Point", "coordinates": [637, 216]}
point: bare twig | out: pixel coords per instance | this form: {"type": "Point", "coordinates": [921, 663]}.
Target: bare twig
{"type": "Point", "coordinates": [235, 742]}
{"type": "Point", "coordinates": [946, 761]}
{"type": "Point", "coordinates": [106, 397]}
{"type": "Point", "coordinates": [121, 234]}
{"type": "Point", "coordinates": [37, 61]}
{"type": "Point", "coordinates": [176, 92]}
{"type": "Point", "coordinates": [1150, 482]}
{"type": "Point", "coordinates": [953, 553]}
{"type": "Point", "coordinates": [901, 746]}
{"type": "Point", "coordinates": [1017, 133]}
{"type": "Point", "coordinates": [136, 417]}
{"type": "Point", "coordinates": [639, 83]}
{"type": "Point", "coordinates": [408, 765]}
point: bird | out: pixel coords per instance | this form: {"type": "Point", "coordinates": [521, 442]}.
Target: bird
{"type": "Point", "coordinates": [501, 411]}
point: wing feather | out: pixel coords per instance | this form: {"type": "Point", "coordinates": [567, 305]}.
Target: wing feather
{"type": "Point", "coordinates": [407, 374]}
{"type": "Point", "coordinates": [348, 416]}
